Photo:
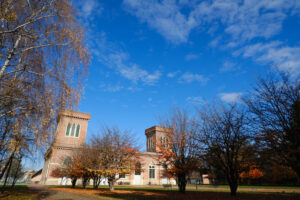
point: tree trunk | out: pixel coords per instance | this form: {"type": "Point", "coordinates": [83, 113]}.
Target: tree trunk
{"type": "Point", "coordinates": [74, 180]}
{"type": "Point", "coordinates": [9, 56]}
{"type": "Point", "coordinates": [85, 179]}
{"type": "Point", "coordinates": [111, 184]}
{"type": "Point", "coordinates": [6, 165]}
{"type": "Point", "coordinates": [233, 187]}
{"type": "Point", "coordinates": [181, 183]}
{"type": "Point", "coordinates": [7, 174]}
{"type": "Point", "coordinates": [16, 174]}
{"type": "Point", "coordinates": [96, 181]}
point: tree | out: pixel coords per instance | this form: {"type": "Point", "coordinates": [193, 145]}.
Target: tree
{"type": "Point", "coordinates": [15, 172]}
{"type": "Point", "coordinates": [275, 108]}
{"type": "Point", "coordinates": [43, 62]}
{"type": "Point", "coordinates": [117, 154]}
{"type": "Point", "coordinates": [93, 165]}
{"type": "Point", "coordinates": [75, 166]}
{"type": "Point", "coordinates": [222, 135]}
{"type": "Point", "coordinates": [251, 173]}
{"type": "Point", "coordinates": [176, 151]}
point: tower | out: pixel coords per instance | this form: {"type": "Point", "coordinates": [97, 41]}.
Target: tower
{"type": "Point", "coordinates": [156, 134]}
{"type": "Point", "coordinates": [70, 134]}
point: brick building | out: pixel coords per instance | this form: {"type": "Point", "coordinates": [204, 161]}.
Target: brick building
{"type": "Point", "coordinates": [71, 134]}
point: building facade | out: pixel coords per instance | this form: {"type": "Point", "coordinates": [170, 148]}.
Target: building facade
{"type": "Point", "coordinates": [71, 134]}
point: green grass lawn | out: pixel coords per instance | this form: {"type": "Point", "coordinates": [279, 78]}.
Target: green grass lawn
{"type": "Point", "coordinates": [20, 192]}
{"type": "Point", "coordinates": [160, 193]}
{"type": "Point", "coordinates": [204, 188]}
{"type": "Point", "coordinates": [246, 186]}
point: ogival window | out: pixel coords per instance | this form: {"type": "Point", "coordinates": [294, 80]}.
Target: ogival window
{"type": "Point", "coordinates": [73, 130]}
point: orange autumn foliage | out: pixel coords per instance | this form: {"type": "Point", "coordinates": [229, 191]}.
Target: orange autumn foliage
{"type": "Point", "coordinates": [253, 173]}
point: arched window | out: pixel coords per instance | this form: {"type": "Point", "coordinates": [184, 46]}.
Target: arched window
{"type": "Point", "coordinates": [67, 162]}
{"type": "Point", "coordinates": [73, 130]}
{"type": "Point", "coordinates": [151, 171]}
{"type": "Point", "coordinates": [77, 130]}
{"type": "Point", "coordinates": [68, 129]}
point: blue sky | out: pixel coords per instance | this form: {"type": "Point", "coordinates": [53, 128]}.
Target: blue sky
{"type": "Point", "coordinates": [150, 56]}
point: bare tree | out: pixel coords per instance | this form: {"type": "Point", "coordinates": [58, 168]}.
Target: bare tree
{"type": "Point", "coordinates": [43, 62]}
{"type": "Point", "coordinates": [275, 108]}
{"type": "Point", "coordinates": [223, 133]}
{"type": "Point", "coordinates": [177, 150]}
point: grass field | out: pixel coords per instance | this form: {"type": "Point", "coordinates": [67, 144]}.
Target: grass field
{"type": "Point", "coordinates": [147, 193]}
{"type": "Point", "coordinates": [20, 192]}
{"type": "Point", "coordinates": [247, 186]}
{"type": "Point", "coordinates": [207, 192]}
{"type": "Point", "coordinates": [212, 188]}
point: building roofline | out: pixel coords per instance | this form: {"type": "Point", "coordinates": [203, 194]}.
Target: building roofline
{"type": "Point", "coordinates": [158, 128]}
{"type": "Point", "coordinates": [75, 114]}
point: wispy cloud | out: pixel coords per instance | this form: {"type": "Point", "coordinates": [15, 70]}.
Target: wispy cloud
{"type": "Point", "coordinates": [111, 88]}
{"type": "Point", "coordinates": [246, 20]}
{"type": "Point", "coordinates": [190, 77]}
{"type": "Point", "coordinates": [164, 16]}
{"type": "Point", "coordinates": [90, 7]}
{"type": "Point", "coordinates": [195, 100]}
{"type": "Point", "coordinates": [243, 20]}
{"type": "Point", "coordinates": [132, 71]}
{"type": "Point", "coordinates": [240, 21]}
{"type": "Point", "coordinates": [229, 66]}
{"type": "Point", "coordinates": [230, 97]}
{"type": "Point", "coordinates": [275, 54]}
{"type": "Point", "coordinates": [172, 74]}
{"type": "Point", "coordinates": [191, 56]}
{"type": "Point", "coordinates": [114, 57]}
{"type": "Point", "coordinates": [214, 43]}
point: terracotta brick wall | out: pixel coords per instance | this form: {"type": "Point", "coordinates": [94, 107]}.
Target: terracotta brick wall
{"type": "Point", "coordinates": [63, 145]}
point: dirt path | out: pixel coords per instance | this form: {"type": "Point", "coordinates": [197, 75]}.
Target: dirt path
{"type": "Point", "coordinates": [46, 194]}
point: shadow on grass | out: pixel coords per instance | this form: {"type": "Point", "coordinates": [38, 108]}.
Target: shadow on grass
{"type": "Point", "coordinates": [18, 192]}
{"type": "Point", "coordinates": [145, 193]}
{"type": "Point", "coordinates": [190, 195]}
{"type": "Point", "coordinates": [45, 194]}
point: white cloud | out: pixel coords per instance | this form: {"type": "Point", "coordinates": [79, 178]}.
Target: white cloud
{"type": "Point", "coordinates": [191, 56]}
{"type": "Point", "coordinates": [90, 7]}
{"type": "Point", "coordinates": [172, 74]}
{"type": "Point", "coordinates": [215, 42]}
{"type": "Point", "coordinates": [230, 97]}
{"type": "Point", "coordinates": [132, 71]}
{"type": "Point", "coordinates": [195, 100]}
{"type": "Point", "coordinates": [229, 66]}
{"type": "Point", "coordinates": [111, 88]}
{"type": "Point", "coordinates": [243, 20]}
{"type": "Point", "coordinates": [240, 20]}
{"type": "Point", "coordinates": [164, 16]}
{"type": "Point", "coordinates": [112, 56]}
{"type": "Point", "coordinates": [275, 54]}
{"type": "Point", "coordinates": [190, 77]}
